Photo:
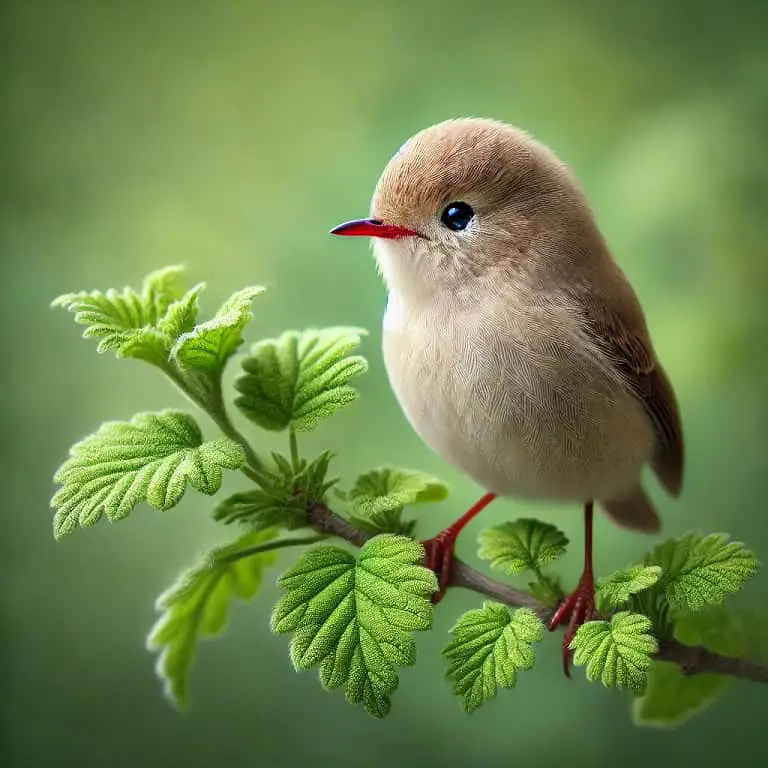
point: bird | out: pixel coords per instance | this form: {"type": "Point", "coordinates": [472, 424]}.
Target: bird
{"type": "Point", "coordinates": [513, 341]}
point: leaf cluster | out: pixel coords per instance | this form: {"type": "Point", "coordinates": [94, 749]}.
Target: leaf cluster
{"type": "Point", "coordinates": [350, 616]}
{"type": "Point", "coordinates": [353, 616]}
{"type": "Point", "coordinates": [643, 605]}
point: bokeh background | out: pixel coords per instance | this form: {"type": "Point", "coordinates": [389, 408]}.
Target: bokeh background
{"type": "Point", "coordinates": [231, 136]}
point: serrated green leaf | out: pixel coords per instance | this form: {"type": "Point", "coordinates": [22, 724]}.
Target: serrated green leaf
{"type": "Point", "coordinates": [284, 496]}
{"type": "Point", "coordinates": [300, 378]}
{"type": "Point", "coordinates": [388, 488]}
{"type": "Point", "coordinates": [209, 345]}
{"type": "Point", "coordinates": [353, 616]}
{"type": "Point", "coordinates": [672, 697]}
{"type": "Point", "coordinates": [160, 289]}
{"type": "Point", "coordinates": [152, 458]}
{"type": "Point", "coordinates": [311, 482]}
{"type": "Point", "coordinates": [121, 322]}
{"type": "Point", "coordinates": [379, 496]}
{"type": "Point", "coordinates": [617, 652]}
{"type": "Point", "coordinates": [181, 315]}
{"type": "Point", "coordinates": [521, 545]}
{"type": "Point", "coordinates": [700, 570]}
{"type": "Point", "coordinates": [141, 325]}
{"type": "Point", "coordinates": [384, 522]}
{"type": "Point", "coordinates": [309, 478]}
{"type": "Point", "coordinates": [490, 646]}
{"type": "Point", "coordinates": [260, 509]}
{"type": "Point", "coordinates": [615, 590]}
{"type": "Point", "coordinates": [197, 604]}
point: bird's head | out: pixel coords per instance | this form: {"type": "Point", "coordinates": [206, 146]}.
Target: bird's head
{"type": "Point", "coordinates": [467, 200]}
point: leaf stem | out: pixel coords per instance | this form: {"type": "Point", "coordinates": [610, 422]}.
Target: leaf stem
{"type": "Point", "coordinates": [294, 449]}
{"type": "Point", "coordinates": [548, 583]}
{"type": "Point", "coordinates": [211, 401]}
{"type": "Point", "coordinates": [539, 576]}
{"type": "Point", "coordinates": [268, 546]}
{"type": "Point", "coordinates": [221, 419]}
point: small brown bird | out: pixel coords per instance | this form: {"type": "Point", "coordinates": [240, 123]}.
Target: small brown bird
{"type": "Point", "coordinates": [514, 343]}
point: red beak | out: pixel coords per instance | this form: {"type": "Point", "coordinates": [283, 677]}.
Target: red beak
{"type": "Point", "coordinates": [372, 228]}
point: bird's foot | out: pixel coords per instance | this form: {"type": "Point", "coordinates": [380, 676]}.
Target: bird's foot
{"type": "Point", "coordinates": [439, 549]}
{"type": "Point", "coordinates": [439, 558]}
{"type": "Point", "coordinates": [577, 608]}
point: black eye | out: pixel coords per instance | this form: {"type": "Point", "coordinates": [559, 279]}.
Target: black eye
{"type": "Point", "coordinates": [456, 216]}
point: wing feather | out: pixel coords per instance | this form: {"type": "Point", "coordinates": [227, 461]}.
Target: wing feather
{"type": "Point", "coordinates": [623, 336]}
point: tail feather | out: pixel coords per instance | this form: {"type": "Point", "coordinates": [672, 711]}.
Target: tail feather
{"type": "Point", "coordinates": [635, 511]}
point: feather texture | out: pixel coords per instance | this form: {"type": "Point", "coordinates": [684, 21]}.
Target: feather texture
{"type": "Point", "coordinates": [516, 347]}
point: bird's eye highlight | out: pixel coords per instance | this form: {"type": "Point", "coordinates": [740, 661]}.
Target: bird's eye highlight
{"type": "Point", "coordinates": [456, 216]}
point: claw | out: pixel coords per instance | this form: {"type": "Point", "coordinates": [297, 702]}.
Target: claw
{"type": "Point", "coordinates": [577, 608]}
{"type": "Point", "coordinates": [439, 549]}
{"type": "Point", "coordinates": [440, 556]}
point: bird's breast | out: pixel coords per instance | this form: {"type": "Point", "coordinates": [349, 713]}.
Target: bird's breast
{"type": "Point", "coordinates": [512, 395]}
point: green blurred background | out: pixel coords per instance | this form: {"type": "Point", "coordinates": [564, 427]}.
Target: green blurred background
{"type": "Point", "coordinates": [231, 136]}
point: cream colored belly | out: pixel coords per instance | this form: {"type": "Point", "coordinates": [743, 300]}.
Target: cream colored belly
{"type": "Point", "coordinates": [541, 422]}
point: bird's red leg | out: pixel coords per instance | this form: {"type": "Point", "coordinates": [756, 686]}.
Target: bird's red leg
{"type": "Point", "coordinates": [579, 606]}
{"type": "Point", "coordinates": [439, 549]}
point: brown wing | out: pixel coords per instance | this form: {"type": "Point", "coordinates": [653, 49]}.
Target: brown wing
{"type": "Point", "coordinates": [622, 334]}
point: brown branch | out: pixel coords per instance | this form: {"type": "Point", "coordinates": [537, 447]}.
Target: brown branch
{"type": "Point", "coordinates": [697, 660]}
{"type": "Point", "coordinates": [692, 659]}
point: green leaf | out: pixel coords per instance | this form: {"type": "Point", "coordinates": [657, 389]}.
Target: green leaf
{"type": "Point", "coordinates": [387, 488]}
{"type": "Point", "coordinates": [700, 570]}
{"type": "Point", "coordinates": [390, 521]}
{"type": "Point", "coordinates": [284, 496]}
{"type": "Point", "coordinates": [151, 458]}
{"type": "Point", "coordinates": [196, 606]}
{"type": "Point", "coordinates": [353, 617]}
{"type": "Point", "coordinates": [209, 345]}
{"type": "Point", "coordinates": [490, 646]}
{"type": "Point", "coordinates": [261, 509]}
{"type": "Point", "coordinates": [615, 590]}
{"type": "Point", "coordinates": [120, 320]}
{"type": "Point", "coordinates": [672, 697]}
{"type": "Point", "coordinates": [522, 545]}
{"type": "Point", "coordinates": [140, 325]}
{"type": "Point", "coordinates": [300, 378]}
{"type": "Point", "coordinates": [160, 289]}
{"type": "Point", "coordinates": [618, 651]}
{"type": "Point", "coordinates": [737, 631]}
{"type": "Point", "coordinates": [181, 315]}
{"type": "Point", "coordinates": [311, 481]}
{"type": "Point", "coordinates": [379, 496]}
